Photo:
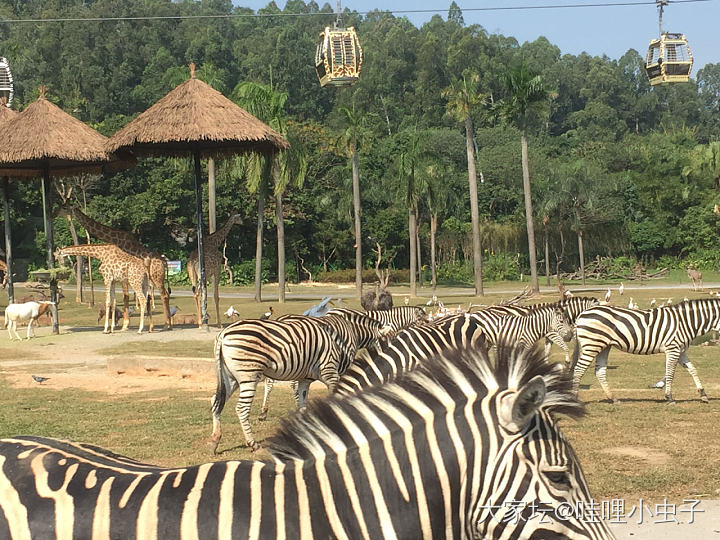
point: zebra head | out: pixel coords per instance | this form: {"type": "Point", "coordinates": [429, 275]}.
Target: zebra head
{"type": "Point", "coordinates": [562, 324]}
{"type": "Point", "coordinates": [535, 487]}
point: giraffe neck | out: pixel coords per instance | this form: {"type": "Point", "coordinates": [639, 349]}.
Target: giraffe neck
{"type": "Point", "coordinates": [98, 251]}
{"type": "Point", "coordinates": [123, 239]}
{"type": "Point", "coordinates": [214, 240]}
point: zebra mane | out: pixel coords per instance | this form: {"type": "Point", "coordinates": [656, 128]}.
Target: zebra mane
{"type": "Point", "coordinates": [564, 303]}
{"type": "Point", "coordinates": [320, 429]}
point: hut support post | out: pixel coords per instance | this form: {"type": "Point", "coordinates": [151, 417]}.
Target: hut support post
{"type": "Point", "coordinates": [8, 240]}
{"type": "Point", "coordinates": [201, 251]}
{"type": "Point", "coordinates": [50, 247]}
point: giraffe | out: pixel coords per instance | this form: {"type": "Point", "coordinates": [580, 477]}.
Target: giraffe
{"type": "Point", "coordinates": [213, 264]}
{"type": "Point", "coordinates": [116, 265]}
{"type": "Point", "coordinates": [155, 263]}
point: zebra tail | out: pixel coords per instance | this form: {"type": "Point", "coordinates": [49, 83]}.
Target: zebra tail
{"type": "Point", "coordinates": [223, 380]}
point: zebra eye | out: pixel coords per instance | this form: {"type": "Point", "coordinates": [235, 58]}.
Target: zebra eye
{"type": "Point", "coordinates": [559, 479]}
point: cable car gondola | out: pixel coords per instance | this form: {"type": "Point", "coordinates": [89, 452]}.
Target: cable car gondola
{"type": "Point", "coordinates": [338, 58]}
{"type": "Point", "coordinates": [669, 59]}
{"type": "Point", "coordinates": [6, 82]}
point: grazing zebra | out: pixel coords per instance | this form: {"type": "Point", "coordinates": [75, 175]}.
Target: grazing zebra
{"type": "Point", "coordinates": [459, 448]}
{"type": "Point", "coordinates": [573, 306]}
{"type": "Point", "coordinates": [527, 327]}
{"type": "Point", "coordinates": [643, 331]}
{"type": "Point", "coordinates": [299, 348]}
{"type": "Point", "coordinates": [396, 318]}
{"type": "Point", "coordinates": [384, 361]}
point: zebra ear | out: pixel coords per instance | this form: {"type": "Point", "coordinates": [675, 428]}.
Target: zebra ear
{"type": "Point", "coordinates": [519, 407]}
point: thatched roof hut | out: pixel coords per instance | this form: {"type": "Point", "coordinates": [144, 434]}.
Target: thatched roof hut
{"type": "Point", "coordinates": [196, 117]}
{"type": "Point", "coordinates": [43, 135]}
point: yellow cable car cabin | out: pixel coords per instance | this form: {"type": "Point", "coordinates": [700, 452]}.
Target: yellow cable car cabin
{"type": "Point", "coordinates": [669, 59]}
{"type": "Point", "coordinates": [338, 59]}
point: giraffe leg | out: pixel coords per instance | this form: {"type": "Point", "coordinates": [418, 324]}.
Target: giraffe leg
{"type": "Point", "coordinates": [108, 304]}
{"type": "Point", "coordinates": [126, 310]}
{"type": "Point", "coordinates": [216, 297]}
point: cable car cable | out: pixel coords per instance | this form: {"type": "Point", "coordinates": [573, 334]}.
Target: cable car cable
{"type": "Point", "coordinates": [317, 14]}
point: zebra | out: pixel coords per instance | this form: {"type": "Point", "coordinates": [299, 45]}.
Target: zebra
{"type": "Point", "coordinates": [573, 306]}
{"type": "Point", "coordinates": [459, 448]}
{"type": "Point", "coordinates": [412, 346]}
{"type": "Point", "coordinates": [396, 318]}
{"type": "Point", "coordinates": [643, 331]}
{"type": "Point", "coordinates": [296, 349]}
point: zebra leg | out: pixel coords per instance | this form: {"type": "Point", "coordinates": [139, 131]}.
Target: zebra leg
{"type": "Point", "coordinates": [266, 398]}
{"type": "Point", "coordinates": [687, 364]}
{"type": "Point", "coordinates": [301, 392]}
{"type": "Point", "coordinates": [584, 359]}
{"type": "Point", "coordinates": [671, 359]}
{"type": "Point", "coordinates": [247, 394]}
{"type": "Point", "coordinates": [601, 361]}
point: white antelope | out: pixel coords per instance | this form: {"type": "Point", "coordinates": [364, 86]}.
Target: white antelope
{"type": "Point", "coordinates": [29, 311]}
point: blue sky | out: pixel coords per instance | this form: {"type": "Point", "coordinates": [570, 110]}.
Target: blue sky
{"type": "Point", "coordinates": [595, 30]}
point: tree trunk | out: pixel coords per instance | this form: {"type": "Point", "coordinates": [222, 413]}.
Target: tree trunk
{"type": "Point", "coordinates": [8, 241]}
{"type": "Point", "coordinates": [474, 212]}
{"type": "Point", "coordinates": [433, 263]}
{"type": "Point", "coordinates": [78, 261]}
{"type": "Point", "coordinates": [280, 246]}
{"type": "Point", "coordinates": [529, 213]}
{"type": "Point", "coordinates": [582, 256]}
{"type": "Point", "coordinates": [413, 252]}
{"type": "Point", "coordinates": [418, 224]}
{"type": "Point", "coordinates": [49, 242]}
{"type": "Point", "coordinates": [358, 231]}
{"type": "Point", "coordinates": [547, 257]}
{"type": "Point", "coordinates": [212, 221]}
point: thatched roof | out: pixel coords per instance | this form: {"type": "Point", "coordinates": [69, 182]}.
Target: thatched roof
{"type": "Point", "coordinates": [194, 116]}
{"type": "Point", "coordinates": [6, 113]}
{"type": "Point", "coordinates": [44, 135]}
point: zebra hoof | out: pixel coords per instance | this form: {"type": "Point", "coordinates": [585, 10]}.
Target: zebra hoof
{"type": "Point", "coordinates": [703, 396]}
{"type": "Point", "coordinates": [254, 447]}
{"type": "Point", "coordinates": [615, 401]}
{"type": "Point", "coordinates": [671, 402]}
{"type": "Point", "coordinates": [262, 417]}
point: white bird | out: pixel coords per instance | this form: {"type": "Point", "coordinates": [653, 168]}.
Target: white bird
{"type": "Point", "coordinates": [632, 304]}
{"type": "Point", "coordinates": [621, 288]}
{"type": "Point", "coordinates": [607, 295]}
{"type": "Point", "coordinates": [669, 301]}
{"type": "Point", "coordinates": [265, 316]}
{"type": "Point", "coordinates": [686, 299]}
{"type": "Point", "coordinates": [231, 312]}
{"type": "Point", "coordinates": [407, 300]}
{"type": "Point", "coordinates": [652, 303]}
{"type": "Point", "coordinates": [567, 294]}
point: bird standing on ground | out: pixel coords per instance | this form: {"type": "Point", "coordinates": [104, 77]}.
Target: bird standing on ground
{"type": "Point", "coordinates": [407, 300]}
{"type": "Point", "coordinates": [567, 294]}
{"type": "Point", "coordinates": [607, 295]}
{"type": "Point", "coordinates": [232, 313]}
{"type": "Point", "coordinates": [39, 379]}
{"type": "Point", "coordinates": [265, 316]}
{"type": "Point", "coordinates": [652, 304]}
{"type": "Point", "coordinates": [632, 304]}
{"type": "Point", "coordinates": [174, 310]}
{"type": "Point", "coordinates": [621, 288]}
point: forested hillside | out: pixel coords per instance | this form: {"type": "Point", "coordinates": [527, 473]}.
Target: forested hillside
{"type": "Point", "coordinates": [633, 169]}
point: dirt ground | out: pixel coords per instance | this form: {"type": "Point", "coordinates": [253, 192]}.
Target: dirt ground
{"type": "Point", "coordinates": [69, 362]}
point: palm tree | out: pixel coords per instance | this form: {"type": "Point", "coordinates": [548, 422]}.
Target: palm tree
{"type": "Point", "coordinates": [525, 95]}
{"type": "Point", "coordinates": [408, 168]}
{"type": "Point", "coordinates": [287, 168]}
{"type": "Point", "coordinates": [463, 97]}
{"type": "Point", "coordinates": [352, 138]}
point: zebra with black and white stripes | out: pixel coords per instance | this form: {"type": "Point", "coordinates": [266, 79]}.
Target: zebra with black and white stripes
{"type": "Point", "coordinates": [298, 349]}
{"type": "Point", "coordinates": [459, 448]}
{"type": "Point", "coordinates": [573, 306]}
{"type": "Point", "coordinates": [643, 331]}
{"type": "Point", "coordinates": [412, 346]}
{"type": "Point", "coordinates": [396, 318]}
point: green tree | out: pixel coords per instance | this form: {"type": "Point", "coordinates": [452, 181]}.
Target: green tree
{"type": "Point", "coordinates": [463, 97]}
{"type": "Point", "coordinates": [526, 95]}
